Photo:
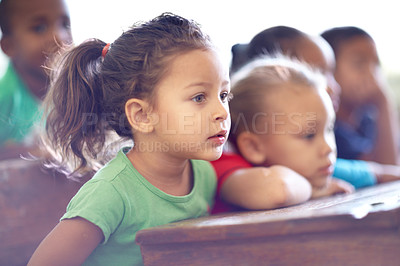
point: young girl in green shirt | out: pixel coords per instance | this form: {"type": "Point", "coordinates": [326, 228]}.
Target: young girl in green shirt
{"type": "Point", "coordinates": [162, 85]}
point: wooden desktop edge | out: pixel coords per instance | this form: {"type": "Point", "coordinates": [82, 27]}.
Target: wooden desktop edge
{"type": "Point", "coordinates": [369, 208]}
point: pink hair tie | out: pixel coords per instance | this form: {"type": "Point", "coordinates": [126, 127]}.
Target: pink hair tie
{"type": "Point", "coordinates": [105, 50]}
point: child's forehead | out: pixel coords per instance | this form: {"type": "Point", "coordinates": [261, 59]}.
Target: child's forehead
{"type": "Point", "coordinates": [311, 105]}
{"type": "Point", "coordinates": [292, 97]}
{"type": "Point", "coordinates": [360, 44]}
{"type": "Point", "coordinates": [289, 90]}
{"type": "Point", "coordinates": [355, 43]}
{"type": "Point", "coordinates": [22, 8]}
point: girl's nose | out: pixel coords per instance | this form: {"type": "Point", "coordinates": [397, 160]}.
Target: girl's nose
{"type": "Point", "coordinates": [221, 112]}
{"type": "Point", "coordinates": [328, 146]}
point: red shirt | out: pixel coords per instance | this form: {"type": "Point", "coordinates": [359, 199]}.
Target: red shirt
{"type": "Point", "coordinates": [224, 167]}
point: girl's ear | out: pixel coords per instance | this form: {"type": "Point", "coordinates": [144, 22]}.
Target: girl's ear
{"type": "Point", "coordinates": [7, 46]}
{"type": "Point", "coordinates": [138, 114]}
{"type": "Point", "coordinates": [251, 148]}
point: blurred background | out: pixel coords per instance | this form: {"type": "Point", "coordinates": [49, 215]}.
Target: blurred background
{"type": "Point", "coordinates": [231, 21]}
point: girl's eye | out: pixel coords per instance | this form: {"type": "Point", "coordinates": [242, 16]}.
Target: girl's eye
{"type": "Point", "coordinates": [308, 136]}
{"type": "Point", "coordinates": [199, 98]}
{"type": "Point", "coordinates": [67, 24]}
{"type": "Point", "coordinates": [225, 96]}
{"type": "Point", "coordinates": [40, 28]}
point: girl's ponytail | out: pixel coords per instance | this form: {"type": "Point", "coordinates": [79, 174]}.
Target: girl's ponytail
{"type": "Point", "coordinates": [74, 128]}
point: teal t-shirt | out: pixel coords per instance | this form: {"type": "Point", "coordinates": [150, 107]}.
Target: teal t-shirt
{"type": "Point", "coordinates": [121, 202]}
{"type": "Point", "coordinates": [356, 172]}
{"type": "Point", "coordinates": [18, 108]}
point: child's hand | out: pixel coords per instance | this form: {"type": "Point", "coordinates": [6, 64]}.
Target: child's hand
{"type": "Point", "coordinates": [385, 172]}
{"type": "Point", "coordinates": [335, 186]}
{"type": "Point", "coordinates": [372, 88]}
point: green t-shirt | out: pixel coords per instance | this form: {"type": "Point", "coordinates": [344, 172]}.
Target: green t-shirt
{"type": "Point", "coordinates": [18, 108]}
{"type": "Point", "coordinates": [121, 202]}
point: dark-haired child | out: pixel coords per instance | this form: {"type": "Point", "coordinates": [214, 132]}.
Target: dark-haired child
{"type": "Point", "coordinates": [162, 85]}
{"type": "Point", "coordinates": [367, 127]}
{"type": "Point", "coordinates": [31, 32]}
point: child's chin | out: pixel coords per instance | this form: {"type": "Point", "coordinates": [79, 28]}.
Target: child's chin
{"type": "Point", "coordinates": [211, 156]}
{"type": "Point", "coordinates": [216, 157]}
{"type": "Point", "coordinates": [322, 182]}
{"type": "Point", "coordinates": [217, 152]}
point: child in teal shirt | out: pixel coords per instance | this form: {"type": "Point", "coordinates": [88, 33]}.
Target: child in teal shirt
{"type": "Point", "coordinates": [18, 108]}
{"type": "Point", "coordinates": [31, 32]}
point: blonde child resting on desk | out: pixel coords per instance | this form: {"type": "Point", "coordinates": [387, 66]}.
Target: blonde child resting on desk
{"type": "Point", "coordinates": [162, 84]}
{"type": "Point", "coordinates": [315, 51]}
{"type": "Point", "coordinates": [282, 116]}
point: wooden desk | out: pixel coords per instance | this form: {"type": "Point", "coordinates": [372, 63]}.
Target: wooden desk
{"type": "Point", "coordinates": [357, 229]}
{"type": "Point", "coordinates": [32, 200]}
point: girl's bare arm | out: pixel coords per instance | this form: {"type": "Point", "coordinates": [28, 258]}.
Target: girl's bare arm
{"type": "Point", "coordinates": [69, 243]}
{"type": "Point", "coordinates": [260, 188]}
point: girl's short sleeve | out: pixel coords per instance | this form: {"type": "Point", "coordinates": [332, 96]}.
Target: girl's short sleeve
{"type": "Point", "coordinates": [100, 203]}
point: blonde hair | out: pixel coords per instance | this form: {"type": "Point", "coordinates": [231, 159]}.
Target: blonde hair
{"type": "Point", "coordinates": [262, 76]}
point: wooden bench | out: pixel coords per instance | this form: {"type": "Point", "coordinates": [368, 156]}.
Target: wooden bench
{"type": "Point", "coordinates": [358, 229]}
{"type": "Point", "coordinates": [32, 200]}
